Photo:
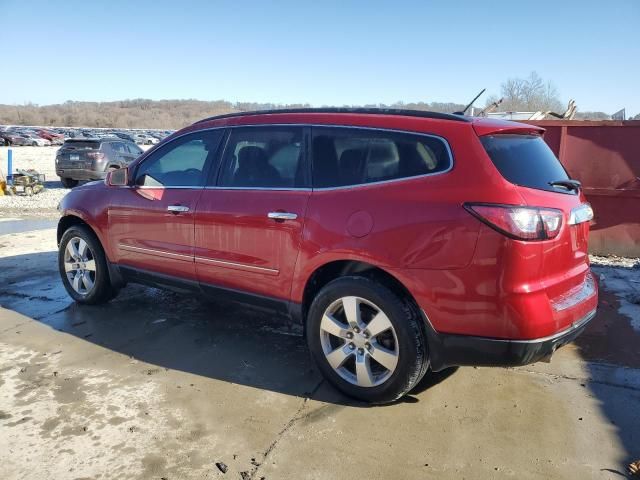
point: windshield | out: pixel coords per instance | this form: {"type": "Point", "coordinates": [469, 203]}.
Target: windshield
{"type": "Point", "coordinates": [526, 160]}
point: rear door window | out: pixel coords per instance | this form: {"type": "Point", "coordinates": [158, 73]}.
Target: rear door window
{"type": "Point", "coordinates": [525, 160]}
{"type": "Point", "coordinates": [118, 147]}
{"type": "Point", "coordinates": [133, 148]}
{"type": "Point", "coordinates": [355, 156]}
{"type": "Point", "coordinates": [265, 157]}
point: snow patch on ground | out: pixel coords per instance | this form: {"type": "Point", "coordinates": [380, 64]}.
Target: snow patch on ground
{"type": "Point", "coordinates": [621, 276]}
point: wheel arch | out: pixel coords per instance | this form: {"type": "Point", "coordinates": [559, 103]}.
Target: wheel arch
{"type": "Point", "coordinates": [332, 270]}
{"type": "Point", "coordinates": [70, 220]}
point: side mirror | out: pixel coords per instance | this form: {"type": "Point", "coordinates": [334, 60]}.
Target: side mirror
{"type": "Point", "coordinates": [118, 178]}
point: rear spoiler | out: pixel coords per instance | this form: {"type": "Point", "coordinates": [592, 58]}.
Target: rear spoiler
{"type": "Point", "coordinates": [484, 126]}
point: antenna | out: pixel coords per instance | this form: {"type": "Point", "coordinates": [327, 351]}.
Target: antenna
{"type": "Point", "coordinates": [471, 103]}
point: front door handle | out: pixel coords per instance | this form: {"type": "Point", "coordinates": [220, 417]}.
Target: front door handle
{"type": "Point", "coordinates": [282, 216]}
{"type": "Point", "coordinates": [177, 209]}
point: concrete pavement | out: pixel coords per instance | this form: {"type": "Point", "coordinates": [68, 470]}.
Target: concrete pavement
{"type": "Point", "coordinates": [155, 385]}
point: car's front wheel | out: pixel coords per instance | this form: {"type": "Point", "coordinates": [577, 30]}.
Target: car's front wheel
{"type": "Point", "coordinates": [366, 340]}
{"type": "Point", "coordinates": [83, 266]}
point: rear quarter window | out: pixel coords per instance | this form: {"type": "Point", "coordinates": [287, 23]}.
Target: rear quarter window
{"type": "Point", "coordinates": [356, 156]}
{"type": "Point", "coordinates": [525, 160]}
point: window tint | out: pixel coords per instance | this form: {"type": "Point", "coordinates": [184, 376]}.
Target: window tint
{"type": "Point", "coordinates": [525, 160]}
{"type": "Point", "coordinates": [180, 163]}
{"type": "Point", "coordinates": [118, 147]}
{"type": "Point", "coordinates": [267, 157]}
{"type": "Point", "coordinates": [81, 144]}
{"type": "Point", "coordinates": [133, 148]}
{"type": "Point", "coordinates": [351, 156]}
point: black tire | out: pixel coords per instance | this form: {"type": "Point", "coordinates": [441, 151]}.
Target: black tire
{"type": "Point", "coordinates": [413, 358]}
{"type": "Point", "coordinates": [68, 182]}
{"type": "Point", "coordinates": [102, 290]}
{"type": "Point", "coordinates": [34, 144]}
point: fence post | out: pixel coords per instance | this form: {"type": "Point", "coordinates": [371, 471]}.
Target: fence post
{"type": "Point", "coordinates": [9, 167]}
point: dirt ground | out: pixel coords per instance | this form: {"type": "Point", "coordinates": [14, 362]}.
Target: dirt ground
{"type": "Point", "coordinates": [157, 385]}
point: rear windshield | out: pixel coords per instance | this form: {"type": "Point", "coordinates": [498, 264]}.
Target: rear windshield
{"type": "Point", "coordinates": [81, 145]}
{"type": "Point", "coordinates": [525, 160]}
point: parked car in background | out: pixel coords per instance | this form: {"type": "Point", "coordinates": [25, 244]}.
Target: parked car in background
{"type": "Point", "coordinates": [139, 138]}
{"type": "Point", "coordinates": [404, 241]}
{"type": "Point", "coordinates": [35, 140]}
{"type": "Point", "coordinates": [125, 136]}
{"type": "Point", "coordinates": [91, 158]}
{"type": "Point", "coordinates": [12, 138]}
{"type": "Point", "coordinates": [54, 138]}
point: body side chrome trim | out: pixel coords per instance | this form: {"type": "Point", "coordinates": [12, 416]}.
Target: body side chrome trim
{"type": "Point", "coordinates": [202, 260]}
{"type": "Point", "coordinates": [240, 266]}
{"type": "Point", "coordinates": [152, 251]}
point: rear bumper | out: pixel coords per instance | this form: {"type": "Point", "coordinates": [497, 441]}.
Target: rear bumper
{"type": "Point", "coordinates": [80, 174]}
{"type": "Point", "coordinates": [448, 350]}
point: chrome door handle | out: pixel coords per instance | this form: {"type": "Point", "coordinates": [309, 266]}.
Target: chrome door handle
{"type": "Point", "coordinates": [282, 216]}
{"type": "Point", "coordinates": [177, 209]}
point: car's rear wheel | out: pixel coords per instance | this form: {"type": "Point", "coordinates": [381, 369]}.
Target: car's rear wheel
{"type": "Point", "coordinates": [367, 341]}
{"type": "Point", "coordinates": [83, 266]}
{"type": "Point", "coordinates": [68, 182]}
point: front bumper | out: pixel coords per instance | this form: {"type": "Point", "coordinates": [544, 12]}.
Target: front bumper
{"type": "Point", "coordinates": [449, 350]}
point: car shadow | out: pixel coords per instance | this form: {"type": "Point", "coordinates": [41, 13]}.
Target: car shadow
{"type": "Point", "coordinates": [609, 346]}
{"type": "Point", "coordinates": [220, 340]}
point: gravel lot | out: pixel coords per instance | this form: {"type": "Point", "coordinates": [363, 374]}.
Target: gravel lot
{"type": "Point", "coordinates": [42, 160]}
{"type": "Point", "coordinates": [43, 204]}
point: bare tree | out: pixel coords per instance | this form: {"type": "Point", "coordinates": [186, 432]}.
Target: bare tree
{"type": "Point", "coordinates": [529, 94]}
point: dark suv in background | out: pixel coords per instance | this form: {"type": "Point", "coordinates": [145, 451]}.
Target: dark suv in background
{"type": "Point", "coordinates": [91, 158]}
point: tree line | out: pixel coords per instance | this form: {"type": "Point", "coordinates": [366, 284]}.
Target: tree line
{"type": "Point", "coordinates": [160, 114]}
{"type": "Point", "coordinates": [529, 94]}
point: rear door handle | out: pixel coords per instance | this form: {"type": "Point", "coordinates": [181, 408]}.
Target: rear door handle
{"type": "Point", "coordinates": [177, 209]}
{"type": "Point", "coordinates": [282, 216]}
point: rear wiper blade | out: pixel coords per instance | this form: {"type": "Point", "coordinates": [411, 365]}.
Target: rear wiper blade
{"type": "Point", "coordinates": [569, 184]}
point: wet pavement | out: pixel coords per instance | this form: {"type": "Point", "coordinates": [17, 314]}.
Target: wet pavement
{"type": "Point", "coordinates": [17, 225]}
{"type": "Point", "coordinates": [159, 385]}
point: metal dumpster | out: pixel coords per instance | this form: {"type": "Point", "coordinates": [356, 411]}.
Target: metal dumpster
{"type": "Point", "coordinates": [605, 157]}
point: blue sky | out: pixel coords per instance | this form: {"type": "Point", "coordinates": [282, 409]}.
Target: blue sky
{"type": "Point", "coordinates": [323, 52]}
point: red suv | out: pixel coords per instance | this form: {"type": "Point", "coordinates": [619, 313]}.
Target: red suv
{"type": "Point", "coordinates": [403, 241]}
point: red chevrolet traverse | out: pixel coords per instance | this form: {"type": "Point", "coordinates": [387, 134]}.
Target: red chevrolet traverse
{"type": "Point", "coordinates": [403, 241]}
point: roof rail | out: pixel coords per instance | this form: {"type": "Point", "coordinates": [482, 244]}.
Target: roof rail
{"type": "Point", "coordinates": [370, 111]}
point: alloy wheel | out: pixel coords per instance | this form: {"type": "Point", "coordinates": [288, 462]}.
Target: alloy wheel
{"type": "Point", "coordinates": [359, 341]}
{"type": "Point", "coordinates": [80, 266]}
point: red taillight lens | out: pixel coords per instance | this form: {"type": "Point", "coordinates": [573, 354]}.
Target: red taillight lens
{"type": "Point", "coordinates": [95, 155]}
{"type": "Point", "coordinates": [521, 223]}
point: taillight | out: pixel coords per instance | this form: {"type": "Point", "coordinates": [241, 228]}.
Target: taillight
{"type": "Point", "coordinates": [521, 223]}
{"type": "Point", "coordinates": [95, 155]}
